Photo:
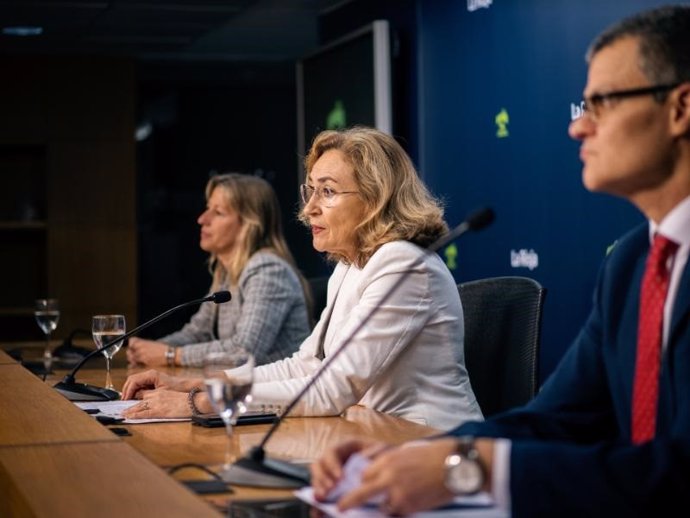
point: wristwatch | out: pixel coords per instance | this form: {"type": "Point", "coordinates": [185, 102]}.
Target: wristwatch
{"type": "Point", "coordinates": [170, 356]}
{"type": "Point", "coordinates": [465, 473]}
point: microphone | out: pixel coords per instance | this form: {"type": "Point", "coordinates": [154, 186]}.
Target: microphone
{"type": "Point", "coordinates": [83, 392]}
{"type": "Point", "coordinates": [258, 470]}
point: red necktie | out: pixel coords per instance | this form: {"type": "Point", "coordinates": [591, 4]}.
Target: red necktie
{"type": "Point", "coordinates": [649, 335]}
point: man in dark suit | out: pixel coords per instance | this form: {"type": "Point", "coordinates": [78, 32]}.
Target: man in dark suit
{"type": "Point", "coordinates": [609, 433]}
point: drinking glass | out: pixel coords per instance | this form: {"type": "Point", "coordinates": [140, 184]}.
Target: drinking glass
{"type": "Point", "coordinates": [228, 377]}
{"type": "Point", "coordinates": [47, 313]}
{"type": "Point", "coordinates": [104, 329]}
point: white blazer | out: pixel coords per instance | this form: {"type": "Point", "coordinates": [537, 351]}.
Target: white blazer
{"type": "Point", "coordinates": [408, 358]}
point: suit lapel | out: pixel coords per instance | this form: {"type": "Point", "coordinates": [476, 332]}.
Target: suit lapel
{"type": "Point", "coordinates": [327, 318]}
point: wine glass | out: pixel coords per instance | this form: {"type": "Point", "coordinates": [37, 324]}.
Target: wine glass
{"type": "Point", "coordinates": [228, 377]}
{"type": "Point", "coordinates": [104, 329]}
{"type": "Point", "coordinates": [47, 313]}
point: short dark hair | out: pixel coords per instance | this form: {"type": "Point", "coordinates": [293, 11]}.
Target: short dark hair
{"type": "Point", "coordinates": [664, 42]}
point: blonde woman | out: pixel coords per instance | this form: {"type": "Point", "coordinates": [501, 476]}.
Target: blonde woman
{"type": "Point", "coordinates": [368, 210]}
{"type": "Point", "coordinates": [241, 231]}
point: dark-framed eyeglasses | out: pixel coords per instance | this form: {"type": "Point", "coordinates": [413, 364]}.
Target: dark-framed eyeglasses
{"type": "Point", "coordinates": [326, 196]}
{"type": "Point", "coordinates": [594, 104]}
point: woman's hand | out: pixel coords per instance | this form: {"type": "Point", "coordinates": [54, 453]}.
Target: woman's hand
{"type": "Point", "coordinates": [136, 384]}
{"type": "Point", "coordinates": [146, 352]}
{"type": "Point", "coordinates": [160, 403]}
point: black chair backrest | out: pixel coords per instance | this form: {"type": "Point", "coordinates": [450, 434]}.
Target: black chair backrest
{"type": "Point", "coordinates": [502, 334]}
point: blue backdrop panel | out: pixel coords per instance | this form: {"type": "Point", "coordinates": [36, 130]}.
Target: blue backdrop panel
{"type": "Point", "coordinates": [498, 87]}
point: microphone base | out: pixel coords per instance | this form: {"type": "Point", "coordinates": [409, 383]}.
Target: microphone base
{"type": "Point", "coordinates": [267, 473]}
{"type": "Point", "coordinates": [84, 392]}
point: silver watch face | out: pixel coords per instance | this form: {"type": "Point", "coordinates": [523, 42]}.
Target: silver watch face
{"type": "Point", "coordinates": [464, 476]}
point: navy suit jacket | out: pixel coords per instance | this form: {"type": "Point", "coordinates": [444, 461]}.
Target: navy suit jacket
{"type": "Point", "coordinates": [571, 452]}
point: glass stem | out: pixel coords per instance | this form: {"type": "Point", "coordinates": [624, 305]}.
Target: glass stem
{"type": "Point", "coordinates": [230, 453]}
{"type": "Point", "coordinates": [47, 355]}
{"type": "Point", "coordinates": [108, 380]}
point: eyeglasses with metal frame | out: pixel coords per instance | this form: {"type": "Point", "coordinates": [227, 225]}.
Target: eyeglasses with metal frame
{"type": "Point", "coordinates": [324, 195]}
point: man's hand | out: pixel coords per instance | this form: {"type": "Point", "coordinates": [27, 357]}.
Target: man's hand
{"type": "Point", "coordinates": [410, 477]}
{"type": "Point", "coordinates": [327, 471]}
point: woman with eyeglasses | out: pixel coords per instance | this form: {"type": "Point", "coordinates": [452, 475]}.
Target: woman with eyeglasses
{"type": "Point", "coordinates": [371, 214]}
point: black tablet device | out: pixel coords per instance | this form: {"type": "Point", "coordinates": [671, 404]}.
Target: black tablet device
{"type": "Point", "coordinates": [214, 420]}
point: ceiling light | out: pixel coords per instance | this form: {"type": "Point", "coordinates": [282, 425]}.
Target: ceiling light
{"type": "Point", "coordinates": [22, 30]}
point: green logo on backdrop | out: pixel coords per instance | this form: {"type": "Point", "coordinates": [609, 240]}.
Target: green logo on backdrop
{"type": "Point", "coordinates": [502, 119]}
{"type": "Point", "coordinates": [451, 253]}
{"type": "Point", "coordinates": [336, 117]}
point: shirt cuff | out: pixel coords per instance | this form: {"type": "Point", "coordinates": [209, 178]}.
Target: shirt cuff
{"type": "Point", "coordinates": [500, 479]}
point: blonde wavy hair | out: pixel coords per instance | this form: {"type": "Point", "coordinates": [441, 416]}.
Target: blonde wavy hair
{"type": "Point", "coordinates": [398, 205]}
{"type": "Point", "coordinates": [257, 205]}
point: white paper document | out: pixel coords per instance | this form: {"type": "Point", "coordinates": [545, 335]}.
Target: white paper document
{"type": "Point", "coordinates": [115, 408]}
{"type": "Point", "coordinates": [475, 506]}
{"type": "Point", "coordinates": [480, 505]}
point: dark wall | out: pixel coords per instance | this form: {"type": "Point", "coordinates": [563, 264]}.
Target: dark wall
{"type": "Point", "coordinates": [204, 123]}
{"type": "Point", "coordinates": [401, 16]}
{"type": "Point", "coordinates": [67, 173]}
{"type": "Point", "coordinates": [519, 66]}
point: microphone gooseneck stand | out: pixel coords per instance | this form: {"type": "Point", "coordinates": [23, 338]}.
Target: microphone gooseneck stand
{"type": "Point", "coordinates": [74, 391]}
{"type": "Point", "coordinates": [256, 469]}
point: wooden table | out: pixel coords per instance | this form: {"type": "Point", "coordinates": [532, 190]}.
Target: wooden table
{"type": "Point", "coordinates": [104, 479]}
{"type": "Point", "coordinates": [6, 359]}
{"type": "Point", "coordinates": [34, 413]}
{"type": "Point", "coordinates": [300, 439]}
{"type": "Point", "coordinates": [57, 461]}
